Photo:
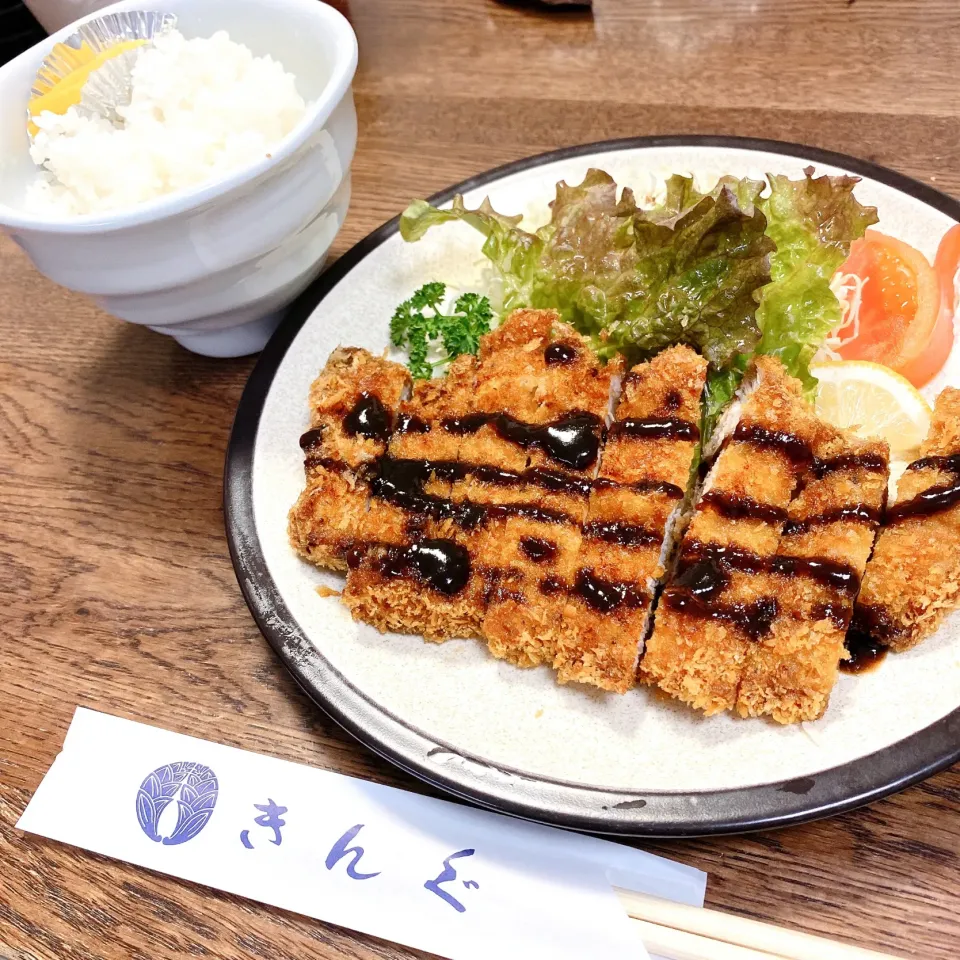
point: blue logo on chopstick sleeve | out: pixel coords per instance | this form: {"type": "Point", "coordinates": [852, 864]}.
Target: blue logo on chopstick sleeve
{"type": "Point", "coordinates": [194, 788]}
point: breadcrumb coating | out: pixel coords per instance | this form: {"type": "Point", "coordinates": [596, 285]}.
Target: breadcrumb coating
{"type": "Point", "coordinates": [790, 672]}
{"type": "Point", "coordinates": [913, 579]}
{"type": "Point", "coordinates": [324, 524]}
{"type": "Point", "coordinates": [713, 608]}
{"type": "Point", "coordinates": [496, 503]}
{"type": "Point", "coordinates": [641, 484]}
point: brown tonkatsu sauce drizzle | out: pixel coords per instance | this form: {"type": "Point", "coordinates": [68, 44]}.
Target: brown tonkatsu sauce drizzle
{"type": "Point", "coordinates": [673, 399]}
{"type": "Point", "coordinates": [311, 438]}
{"type": "Point", "coordinates": [732, 506]}
{"type": "Point", "coordinates": [468, 423]}
{"type": "Point", "coordinates": [500, 511]}
{"type": "Point", "coordinates": [702, 575]}
{"type": "Point", "coordinates": [605, 596]}
{"type": "Point", "coordinates": [560, 354]}
{"type": "Point", "coordinates": [440, 564]}
{"type": "Point", "coordinates": [550, 586]}
{"type": "Point", "coordinates": [656, 428]}
{"type": "Point", "coordinates": [409, 423]}
{"type": "Point", "coordinates": [401, 483]}
{"type": "Point", "coordinates": [853, 513]}
{"type": "Point", "coordinates": [696, 592]}
{"type": "Point", "coordinates": [573, 440]}
{"type": "Point", "coordinates": [312, 461]}
{"type": "Point", "coordinates": [620, 534]}
{"type": "Point", "coordinates": [552, 480]}
{"type": "Point", "coordinates": [793, 448]}
{"type": "Point", "coordinates": [537, 549]}
{"type": "Point", "coordinates": [369, 418]}
{"type": "Point", "coordinates": [354, 552]}
{"type": "Point", "coordinates": [830, 573]}
{"type": "Point", "coordinates": [871, 462]}
{"type": "Point", "coordinates": [641, 486]}
{"type": "Point", "coordinates": [556, 481]}
{"type": "Point", "coordinates": [948, 464]}
{"type": "Point", "coordinates": [865, 653]}
{"type": "Point", "coordinates": [933, 500]}
{"type": "Point", "coordinates": [599, 594]}
{"type": "Point", "coordinates": [872, 622]}
{"type": "Point", "coordinates": [753, 619]}
{"type": "Point", "coordinates": [838, 576]}
{"type": "Point", "coordinates": [705, 574]}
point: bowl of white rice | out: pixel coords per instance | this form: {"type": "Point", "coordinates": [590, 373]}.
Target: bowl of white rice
{"type": "Point", "coordinates": [214, 201]}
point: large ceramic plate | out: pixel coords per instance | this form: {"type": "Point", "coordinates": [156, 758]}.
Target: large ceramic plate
{"type": "Point", "coordinates": [511, 739]}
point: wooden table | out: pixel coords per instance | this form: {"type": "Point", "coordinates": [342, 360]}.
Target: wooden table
{"type": "Point", "coordinates": [117, 586]}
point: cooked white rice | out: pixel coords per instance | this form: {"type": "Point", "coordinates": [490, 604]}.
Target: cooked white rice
{"type": "Point", "coordinates": [199, 109]}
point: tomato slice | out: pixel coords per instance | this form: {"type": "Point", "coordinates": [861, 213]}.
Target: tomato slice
{"type": "Point", "coordinates": [947, 267]}
{"type": "Point", "coordinates": [900, 322]}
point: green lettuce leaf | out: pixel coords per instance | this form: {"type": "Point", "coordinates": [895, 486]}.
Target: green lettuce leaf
{"type": "Point", "coordinates": [699, 274]}
{"type": "Point", "coordinates": [587, 267]}
{"type": "Point", "coordinates": [690, 270]}
{"type": "Point", "coordinates": [637, 281]}
{"type": "Point", "coordinates": [512, 251]}
{"type": "Point", "coordinates": [812, 222]}
{"type": "Point", "coordinates": [720, 389]}
{"type": "Point", "coordinates": [681, 194]}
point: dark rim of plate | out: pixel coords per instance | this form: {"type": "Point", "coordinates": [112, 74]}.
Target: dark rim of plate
{"type": "Point", "coordinates": [473, 778]}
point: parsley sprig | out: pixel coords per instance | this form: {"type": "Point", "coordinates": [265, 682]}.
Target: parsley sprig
{"type": "Point", "coordinates": [420, 321]}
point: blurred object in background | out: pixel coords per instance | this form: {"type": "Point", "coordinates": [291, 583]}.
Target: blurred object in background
{"type": "Point", "coordinates": [551, 4]}
{"type": "Point", "coordinates": [54, 14]}
{"type": "Point", "coordinates": [18, 29]}
{"type": "Point", "coordinates": [25, 22]}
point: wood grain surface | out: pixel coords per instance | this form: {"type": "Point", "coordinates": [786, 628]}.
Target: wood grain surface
{"type": "Point", "coordinates": [117, 588]}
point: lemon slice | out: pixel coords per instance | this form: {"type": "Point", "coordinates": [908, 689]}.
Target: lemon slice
{"type": "Point", "coordinates": [873, 401]}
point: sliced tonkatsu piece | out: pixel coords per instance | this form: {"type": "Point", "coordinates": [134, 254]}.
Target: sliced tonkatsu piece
{"type": "Point", "coordinates": [424, 571]}
{"type": "Point", "coordinates": [414, 572]}
{"type": "Point", "coordinates": [505, 395]}
{"type": "Point", "coordinates": [353, 403]}
{"type": "Point", "coordinates": [824, 548]}
{"type": "Point", "coordinates": [352, 406]}
{"type": "Point", "coordinates": [723, 598]}
{"type": "Point", "coordinates": [913, 579]}
{"type": "Point", "coordinates": [627, 533]}
{"type": "Point", "coordinates": [531, 535]}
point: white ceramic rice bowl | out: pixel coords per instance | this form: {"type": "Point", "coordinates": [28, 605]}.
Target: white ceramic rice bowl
{"type": "Point", "coordinates": [212, 266]}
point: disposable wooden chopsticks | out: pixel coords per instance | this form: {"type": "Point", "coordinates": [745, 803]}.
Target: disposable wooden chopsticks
{"type": "Point", "coordinates": [680, 945]}
{"type": "Point", "coordinates": [680, 932]}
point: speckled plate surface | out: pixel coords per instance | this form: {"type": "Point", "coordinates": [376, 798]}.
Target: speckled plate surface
{"type": "Point", "coordinates": [512, 739]}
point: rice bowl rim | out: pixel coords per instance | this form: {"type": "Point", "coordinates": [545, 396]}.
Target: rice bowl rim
{"type": "Point", "coordinates": [178, 202]}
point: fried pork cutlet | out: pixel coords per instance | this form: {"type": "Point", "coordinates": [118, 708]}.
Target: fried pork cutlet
{"type": "Point", "coordinates": [408, 535]}
{"type": "Point", "coordinates": [352, 407]}
{"type": "Point", "coordinates": [824, 547]}
{"type": "Point", "coordinates": [635, 500]}
{"type": "Point", "coordinates": [913, 579]}
{"type": "Point", "coordinates": [532, 536]}
{"type": "Point", "coordinates": [723, 596]}
{"type": "Point", "coordinates": [448, 486]}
